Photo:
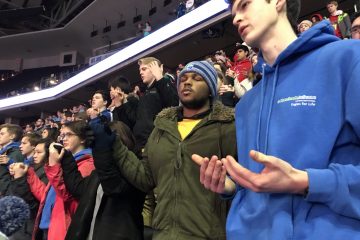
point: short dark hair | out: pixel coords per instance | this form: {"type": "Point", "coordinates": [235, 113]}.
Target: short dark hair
{"type": "Point", "coordinates": [43, 120]}
{"type": "Point", "coordinates": [122, 83]}
{"type": "Point", "coordinates": [293, 8]}
{"type": "Point", "coordinates": [104, 95]}
{"type": "Point", "coordinates": [13, 129]}
{"type": "Point", "coordinates": [292, 11]}
{"type": "Point", "coordinates": [355, 16]}
{"type": "Point", "coordinates": [32, 125]}
{"type": "Point", "coordinates": [81, 129]}
{"type": "Point", "coordinates": [33, 138]}
{"type": "Point", "coordinates": [68, 114]}
{"type": "Point", "coordinates": [53, 133]}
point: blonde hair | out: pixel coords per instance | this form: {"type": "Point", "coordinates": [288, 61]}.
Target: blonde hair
{"type": "Point", "coordinates": [148, 60]}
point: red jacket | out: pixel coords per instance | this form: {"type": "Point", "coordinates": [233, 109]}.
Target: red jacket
{"type": "Point", "coordinates": [242, 69]}
{"type": "Point", "coordinates": [65, 205]}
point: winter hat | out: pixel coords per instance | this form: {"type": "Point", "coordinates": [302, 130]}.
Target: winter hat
{"type": "Point", "coordinates": [14, 212]}
{"type": "Point", "coordinates": [307, 22]}
{"type": "Point", "coordinates": [206, 70]}
{"type": "Point", "coordinates": [318, 17]}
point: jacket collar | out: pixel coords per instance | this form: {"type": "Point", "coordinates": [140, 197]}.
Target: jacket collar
{"type": "Point", "coordinates": [218, 113]}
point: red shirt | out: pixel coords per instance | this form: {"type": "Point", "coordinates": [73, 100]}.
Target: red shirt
{"type": "Point", "coordinates": [242, 69]}
{"type": "Point", "coordinates": [334, 22]}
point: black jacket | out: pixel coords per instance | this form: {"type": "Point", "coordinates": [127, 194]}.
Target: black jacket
{"type": "Point", "coordinates": [14, 154]}
{"type": "Point", "coordinates": [161, 94]}
{"type": "Point", "coordinates": [19, 187]}
{"type": "Point", "coordinates": [126, 113]}
{"type": "Point", "coordinates": [119, 215]}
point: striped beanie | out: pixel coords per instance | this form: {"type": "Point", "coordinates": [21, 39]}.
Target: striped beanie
{"type": "Point", "coordinates": [206, 70]}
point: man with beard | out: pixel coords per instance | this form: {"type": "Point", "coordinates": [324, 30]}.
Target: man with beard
{"type": "Point", "coordinates": [185, 210]}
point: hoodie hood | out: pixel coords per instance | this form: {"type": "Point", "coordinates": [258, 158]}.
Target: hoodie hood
{"type": "Point", "coordinates": [304, 111]}
{"type": "Point", "coordinates": [318, 15]}
{"type": "Point", "coordinates": [218, 113]}
{"type": "Point", "coordinates": [9, 147]}
{"type": "Point", "coordinates": [318, 35]}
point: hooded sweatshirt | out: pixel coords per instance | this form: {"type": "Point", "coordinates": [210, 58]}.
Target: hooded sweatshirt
{"type": "Point", "coordinates": [306, 112]}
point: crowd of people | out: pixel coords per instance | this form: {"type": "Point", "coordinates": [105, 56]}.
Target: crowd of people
{"type": "Point", "coordinates": [263, 144]}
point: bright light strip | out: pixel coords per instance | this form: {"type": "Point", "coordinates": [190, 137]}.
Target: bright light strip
{"type": "Point", "coordinates": [192, 18]}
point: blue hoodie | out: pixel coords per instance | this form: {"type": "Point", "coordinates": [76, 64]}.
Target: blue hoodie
{"type": "Point", "coordinates": [306, 111]}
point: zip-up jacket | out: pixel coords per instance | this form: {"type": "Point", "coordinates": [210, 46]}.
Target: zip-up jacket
{"type": "Point", "coordinates": [185, 209]}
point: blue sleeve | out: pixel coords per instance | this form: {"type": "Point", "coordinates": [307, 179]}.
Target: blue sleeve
{"type": "Point", "coordinates": [94, 121]}
{"type": "Point", "coordinates": [108, 115]}
{"type": "Point", "coordinates": [338, 186]}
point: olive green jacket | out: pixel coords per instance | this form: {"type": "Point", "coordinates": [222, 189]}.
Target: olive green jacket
{"type": "Point", "coordinates": [185, 209]}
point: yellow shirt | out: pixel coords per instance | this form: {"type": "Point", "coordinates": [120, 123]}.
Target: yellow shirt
{"type": "Point", "coordinates": [186, 126]}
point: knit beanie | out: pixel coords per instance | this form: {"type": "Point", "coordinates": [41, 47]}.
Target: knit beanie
{"type": "Point", "coordinates": [307, 22]}
{"type": "Point", "coordinates": [206, 70]}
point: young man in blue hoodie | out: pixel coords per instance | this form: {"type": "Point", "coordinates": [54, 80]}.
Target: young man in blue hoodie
{"type": "Point", "coordinates": [10, 135]}
{"type": "Point", "coordinates": [297, 175]}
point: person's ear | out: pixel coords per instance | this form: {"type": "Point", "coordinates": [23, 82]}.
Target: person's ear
{"type": "Point", "coordinates": [280, 5]}
{"type": "Point", "coordinates": [12, 137]}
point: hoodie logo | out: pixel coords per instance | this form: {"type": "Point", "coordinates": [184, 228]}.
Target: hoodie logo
{"type": "Point", "coordinates": [299, 101]}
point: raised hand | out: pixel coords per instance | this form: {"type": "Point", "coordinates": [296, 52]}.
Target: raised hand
{"type": "Point", "coordinates": [18, 170]}
{"type": "Point", "coordinates": [225, 88]}
{"type": "Point", "coordinates": [54, 155]}
{"type": "Point", "coordinates": [278, 176]}
{"type": "Point", "coordinates": [213, 175]}
{"type": "Point", "coordinates": [230, 73]}
{"type": "Point", "coordinates": [4, 159]}
{"type": "Point", "coordinates": [92, 113]}
{"type": "Point", "coordinates": [156, 70]}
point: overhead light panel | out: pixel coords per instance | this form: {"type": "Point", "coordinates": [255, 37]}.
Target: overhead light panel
{"type": "Point", "coordinates": [208, 10]}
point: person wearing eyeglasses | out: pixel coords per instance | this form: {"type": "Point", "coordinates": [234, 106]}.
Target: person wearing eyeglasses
{"type": "Point", "coordinates": [56, 204]}
{"type": "Point", "coordinates": [355, 26]}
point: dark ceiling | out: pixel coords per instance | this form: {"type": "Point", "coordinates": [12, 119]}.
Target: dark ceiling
{"type": "Point", "coordinates": [20, 16]}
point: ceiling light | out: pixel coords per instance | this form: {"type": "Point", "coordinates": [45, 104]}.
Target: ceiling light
{"type": "Point", "coordinates": [208, 10]}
